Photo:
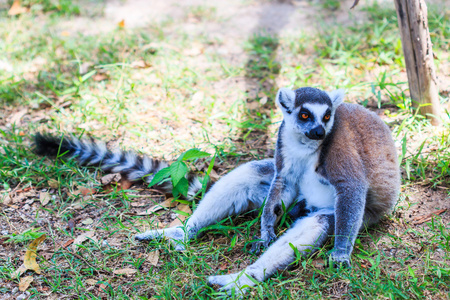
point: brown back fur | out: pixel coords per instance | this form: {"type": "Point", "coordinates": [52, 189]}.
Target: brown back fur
{"type": "Point", "coordinates": [360, 148]}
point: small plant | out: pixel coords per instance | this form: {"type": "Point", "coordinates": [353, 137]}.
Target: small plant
{"type": "Point", "coordinates": [176, 172]}
{"type": "Point", "coordinates": [27, 235]}
{"type": "Point", "coordinates": [331, 4]}
{"type": "Point", "coordinates": [60, 7]}
{"type": "Point", "coordinates": [202, 12]}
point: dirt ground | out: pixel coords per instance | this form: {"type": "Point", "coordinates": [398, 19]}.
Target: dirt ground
{"type": "Point", "coordinates": [235, 21]}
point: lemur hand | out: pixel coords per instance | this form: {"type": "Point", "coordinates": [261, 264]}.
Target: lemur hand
{"type": "Point", "coordinates": [268, 221]}
{"type": "Point", "coordinates": [267, 235]}
{"type": "Point", "coordinates": [339, 258]}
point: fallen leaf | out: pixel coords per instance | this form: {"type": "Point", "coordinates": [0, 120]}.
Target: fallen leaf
{"type": "Point", "coordinates": [18, 197]}
{"type": "Point", "coordinates": [184, 208]}
{"type": "Point", "coordinates": [121, 24]}
{"type": "Point", "coordinates": [30, 255]}
{"type": "Point", "coordinates": [30, 193]}
{"type": "Point", "coordinates": [109, 188]}
{"type": "Point", "coordinates": [100, 77]}
{"type": "Point", "coordinates": [125, 184]}
{"type": "Point", "coordinates": [78, 205]}
{"type": "Point", "coordinates": [138, 204]}
{"type": "Point", "coordinates": [180, 218]}
{"type": "Point", "coordinates": [165, 204]}
{"type": "Point", "coordinates": [261, 94]}
{"type": "Point", "coordinates": [24, 190]}
{"type": "Point", "coordinates": [197, 98]}
{"type": "Point", "coordinates": [83, 237]}
{"type": "Point", "coordinates": [196, 49]}
{"type": "Point", "coordinates": [19, 271]}
{"type": "Point", "coordinates": [422, 219]}
{"type": "Point", "coordinates": [153, 257]}
{"type": "Point", "coordinates": [91, 281]}
{"type": "Point", "coordinates": [140, 64]}
{"type": "Point", "coordinates": [107, 179]}
{"type": "Point", "coordinates": [213, 175]}
{"type": "Point", "coordinates": [263, 100]}
{"type": "Point", "coordinates": [102, 287]}
{"type": "Point", "coordinates": [176, 222]}
{"type": "Point", "coordinates": [43, 289]}
{"type": "Point", "coordinates": [87, 221]}
{"type": "Point", "coordinates": [3, 242]}
{"type": "Point", "coordinates": [84, 68]}
{"type": "Point", "coordinates": [44, 197]}
{"type": "Point", "coordinates": [15, 118]}
{"type": "Point", "coordinates": [53, 183]}
{"type": "Point", "coordinates": [223, 266]}
{"type": "Point", "coordinates": [252, 105]}
{"type": "Point", "coordinates": [88, 191]}
{"type": "Point", "coordinates": [126, 271]}
{"type": "Point", "coordinates": [17, 9]}
{"type": "Point", "coordinates": [318, 264]}
{"type": "Point", "coordinates": [25, 283]}
{"type": "Point", "coordinates": [75, 192]}
{"type": "Point", "coordinates": [7, 199]}
{"type": "Point", "coordinates": [68, 243]}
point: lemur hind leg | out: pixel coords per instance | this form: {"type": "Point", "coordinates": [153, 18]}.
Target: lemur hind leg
{"type": "Point", "coordinates": [243, 189]}
{"type": "Point", "coordinates": [306, 234]}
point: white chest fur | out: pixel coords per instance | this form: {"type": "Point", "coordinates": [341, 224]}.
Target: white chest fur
{"type": "Point", "coordinates": [317, 191]}
{"type": "Point", "coordinates": [299, 172]}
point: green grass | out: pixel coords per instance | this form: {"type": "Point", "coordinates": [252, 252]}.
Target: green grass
{"type": "Point", "coordinates": [161, 91]}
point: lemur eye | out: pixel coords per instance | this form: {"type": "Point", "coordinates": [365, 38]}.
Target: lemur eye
{"type": "Point", "coordinates": [327, 117]}
{"type": "Point", "coordinates": [305, 116]}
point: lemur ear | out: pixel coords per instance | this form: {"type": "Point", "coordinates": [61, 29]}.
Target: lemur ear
{"type": "Point", "coordinates": [337, 97]}
{"type": "Point", "coordinates": [285, 100]}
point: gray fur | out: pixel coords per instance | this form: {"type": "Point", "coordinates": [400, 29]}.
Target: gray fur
{"type": "Point", "coordinates": [241, 190]}
{"type": "Point", "coordinates": [338, 161]}
{"type": "Point", "coordinates": [285, 99]}
{"type": "Point", "coordinates": [90, 152]}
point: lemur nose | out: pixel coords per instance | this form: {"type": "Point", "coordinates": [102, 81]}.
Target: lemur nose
{"type": "Point", "coordinates": [317, 133]}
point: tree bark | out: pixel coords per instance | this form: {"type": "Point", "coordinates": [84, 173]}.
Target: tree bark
{"type": "Point", "coordinates": [417, 49]}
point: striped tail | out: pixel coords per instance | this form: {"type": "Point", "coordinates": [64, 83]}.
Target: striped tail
{"type": "Point", "coordinates": [91, 152]}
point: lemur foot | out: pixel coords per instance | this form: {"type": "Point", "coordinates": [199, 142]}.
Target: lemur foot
{"type": "Point", "coordinates": [175, 235]}
{"type": "Point", "coordinates": [237, 282]}
{"type": "Point", "coordinates": [339, 259]}
{"type": "Point", "coordinates": [266, 237]}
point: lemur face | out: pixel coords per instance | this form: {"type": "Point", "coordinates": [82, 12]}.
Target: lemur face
{"type": "Point", "coordinates": [312, 120]}
{"type": "Point", "coordinates": [309, 112]}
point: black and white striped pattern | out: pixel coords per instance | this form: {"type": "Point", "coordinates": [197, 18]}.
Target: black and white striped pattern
{"type": "Point", "coordinates": [91, 152]}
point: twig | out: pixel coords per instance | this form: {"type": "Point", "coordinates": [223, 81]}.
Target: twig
{"type": "Point", "coordinates": [422, 219]}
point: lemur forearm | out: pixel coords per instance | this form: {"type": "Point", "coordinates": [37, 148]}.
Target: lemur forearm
{"type": "Point", "coordinates": [349, 214]}
{"type": "Point", "coordinates": [273, 203]}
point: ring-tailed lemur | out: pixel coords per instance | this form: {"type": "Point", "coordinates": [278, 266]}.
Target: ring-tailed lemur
{"type": "Point", "coordinates": [337, 160]}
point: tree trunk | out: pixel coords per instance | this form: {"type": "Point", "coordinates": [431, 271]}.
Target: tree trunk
{"type": "Point", "coordinates": [417, 49]}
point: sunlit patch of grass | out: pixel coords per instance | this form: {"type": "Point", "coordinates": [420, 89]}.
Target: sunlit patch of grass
{"type": "Point", "coordinates": [202, 13]}
{"type": "Point", "coordinates": [330, 4]}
